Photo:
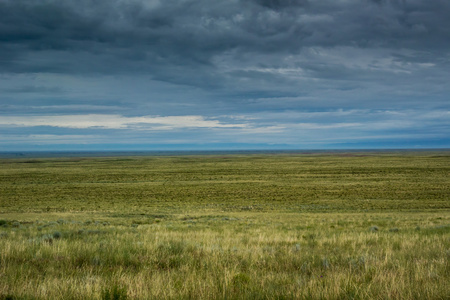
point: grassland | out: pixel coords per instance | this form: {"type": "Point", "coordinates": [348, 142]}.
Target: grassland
{"type": "Point", "coordinates": [329, 226]}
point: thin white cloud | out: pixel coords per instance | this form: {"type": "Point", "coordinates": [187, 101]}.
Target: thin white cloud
{"type": "Point", "coordinates": [102, 121]}
{"type": "Point", "coordinates": [325, 126]}
{"type": "Point", "coordinates": [263, 130]}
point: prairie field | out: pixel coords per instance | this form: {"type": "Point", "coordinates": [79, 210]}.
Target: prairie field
{"type": "Point", "coordinates": [283, 226]}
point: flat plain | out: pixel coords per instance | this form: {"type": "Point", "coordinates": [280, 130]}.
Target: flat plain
{"type": "Point", "coordinates": [353, 225]}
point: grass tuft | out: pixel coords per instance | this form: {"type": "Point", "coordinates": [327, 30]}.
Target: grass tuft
{"type": "Point", "coordinates": [115, 292]}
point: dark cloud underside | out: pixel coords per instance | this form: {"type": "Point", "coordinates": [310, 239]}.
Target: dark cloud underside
{"type": "Point", "coordinates": [141, 35]}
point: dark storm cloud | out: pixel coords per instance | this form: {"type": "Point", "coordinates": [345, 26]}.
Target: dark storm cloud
{"type": "Point", "coordinates": [281, 4]}
{"type": "Point", "coordinates": [172, 40]}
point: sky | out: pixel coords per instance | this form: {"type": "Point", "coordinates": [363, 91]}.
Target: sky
{"type": "Point", "coordinates": [216, 74]}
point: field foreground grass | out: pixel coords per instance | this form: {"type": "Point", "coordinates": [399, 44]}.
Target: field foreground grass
{"type": "Point", "coordinates": [226, 227]}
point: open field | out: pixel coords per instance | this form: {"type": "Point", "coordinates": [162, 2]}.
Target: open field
{"type": "Point", "coordinates": [336, 226]}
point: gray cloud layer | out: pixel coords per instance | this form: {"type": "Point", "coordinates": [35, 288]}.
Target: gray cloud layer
{"type": "Point", "coordinates": [151, 36]}
{"type": "Point", "coordinates": [214, 57]}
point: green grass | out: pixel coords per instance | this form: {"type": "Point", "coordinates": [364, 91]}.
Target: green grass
{"type": "Point", "coordinates": [359, 226]}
